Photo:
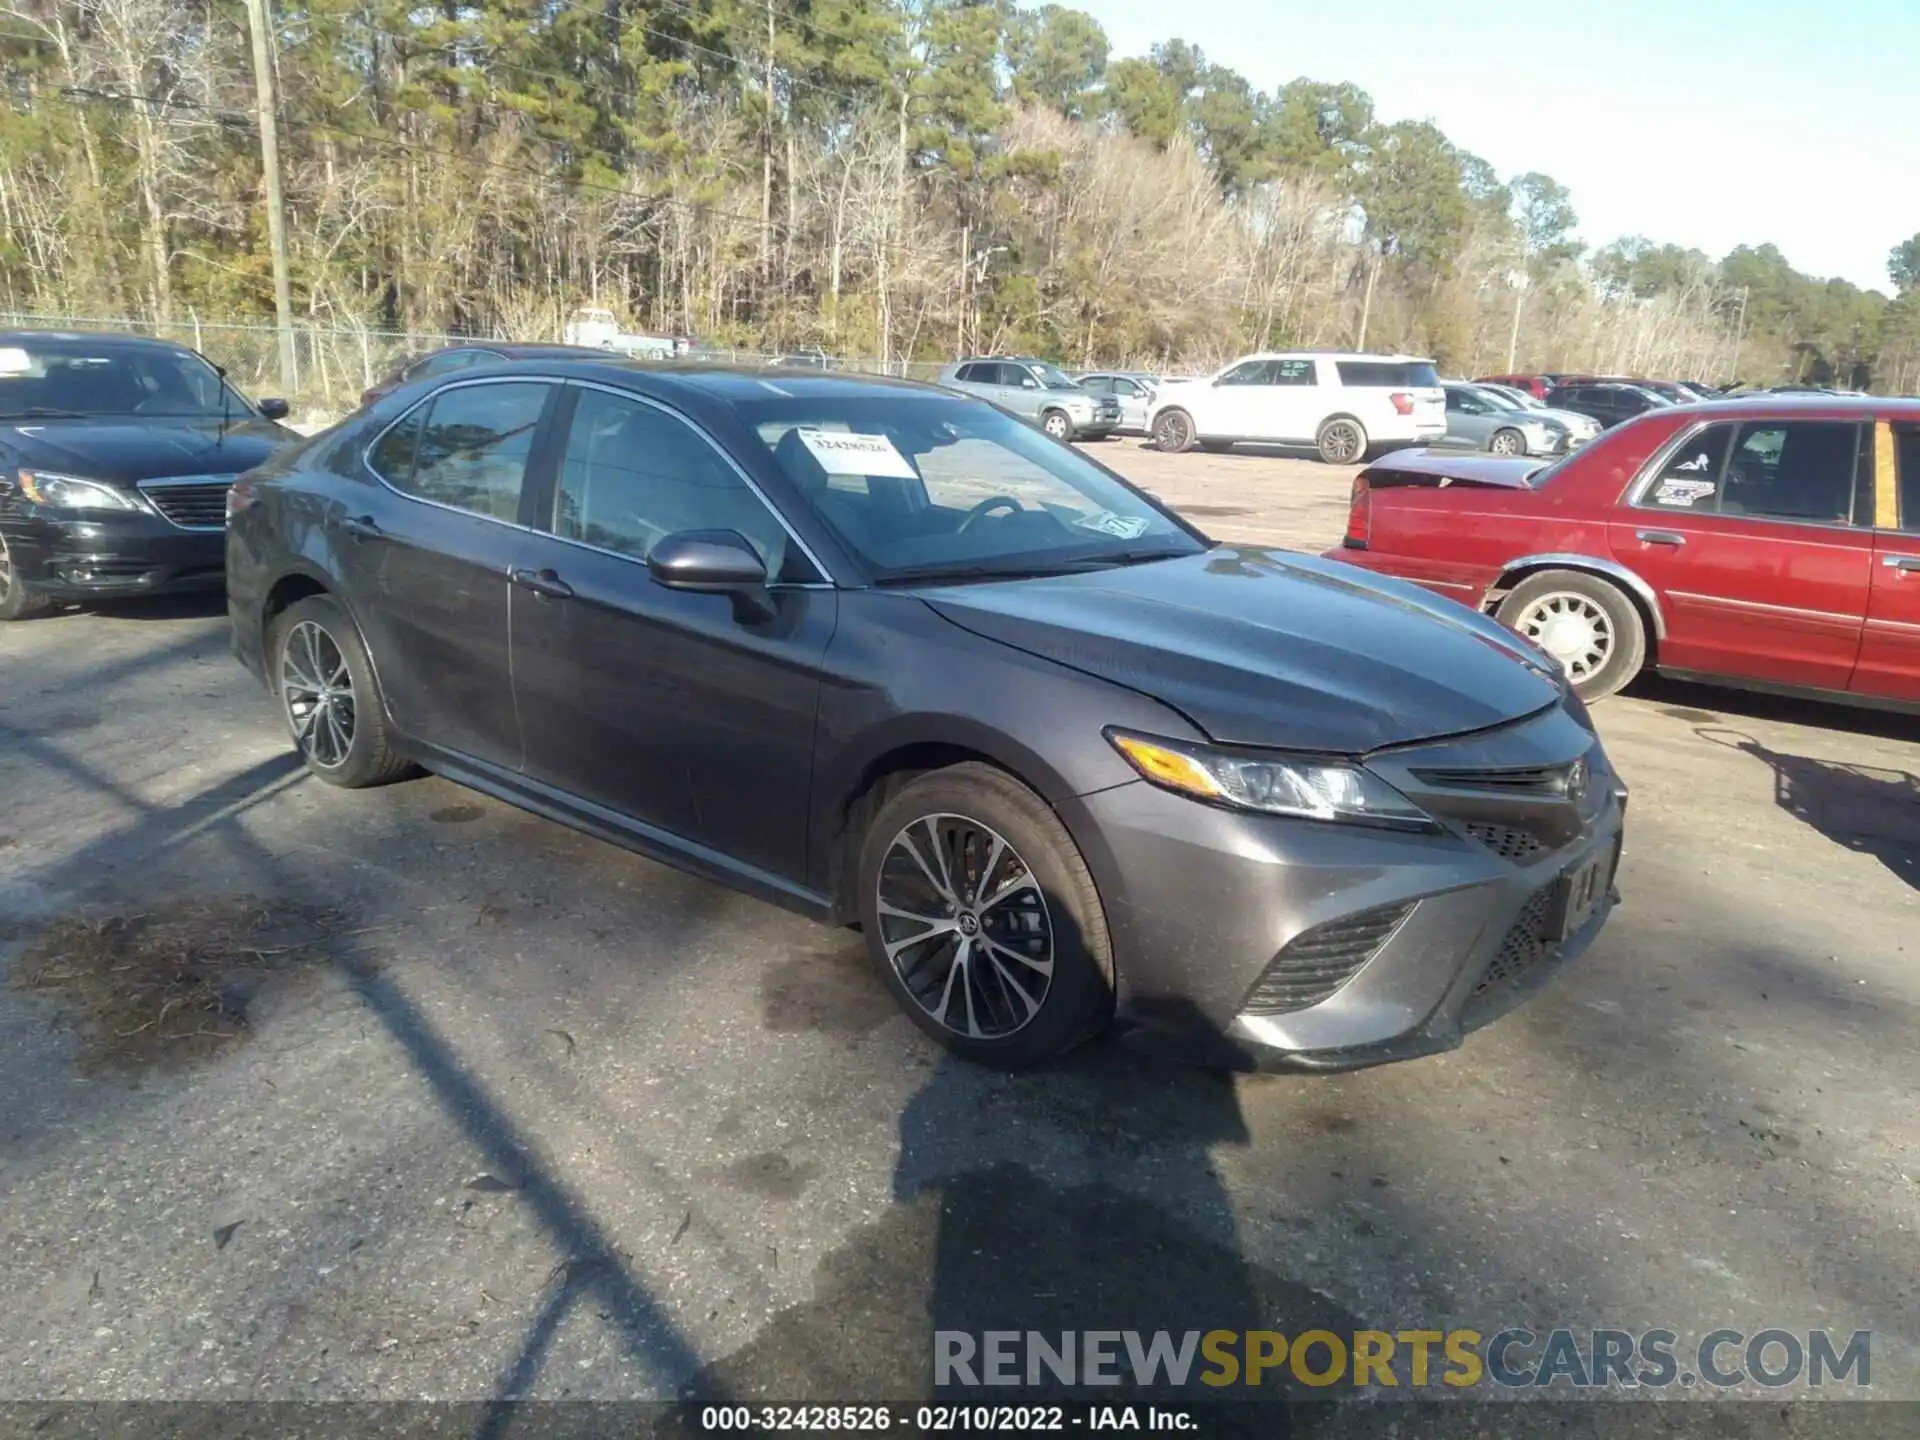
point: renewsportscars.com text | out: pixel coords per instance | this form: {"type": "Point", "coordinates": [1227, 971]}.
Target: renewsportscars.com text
{"type": "Point", "coordinates": [1513, 1359]}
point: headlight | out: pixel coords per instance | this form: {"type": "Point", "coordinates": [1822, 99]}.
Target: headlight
{"type": "Point", "coordinates": [1311, 789]}
{"type": "Point", "coordinates": [72, 492]}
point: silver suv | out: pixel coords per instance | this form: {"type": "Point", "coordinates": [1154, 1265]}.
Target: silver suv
{"type": "Point", "coordinates": [1036, 391]}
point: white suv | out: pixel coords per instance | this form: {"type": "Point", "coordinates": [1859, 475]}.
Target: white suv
{"type": "Point", "coordinates": [1340, 403]}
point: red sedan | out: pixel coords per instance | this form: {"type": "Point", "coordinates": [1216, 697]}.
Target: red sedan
{"type": "Point", "coordinates": [1770, 542]}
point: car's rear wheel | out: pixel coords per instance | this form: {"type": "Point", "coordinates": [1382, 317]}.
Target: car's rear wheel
{"type": "Point", "coordinates": [1587, 624]}
{"type": "Point", "coordinates": [1173, 431]}
{"type": "Point", "coordinates": [18, 600]}
{"type": "Point", "coordinates": [1508, 442]}
{"type": "Point", "coordinates": [982, 918]}
{"type": "Point", "coordinates": [1057, 425]}
{"type": "Point", "coordinates": [329, 696]}
{"type": "Point", "coordinates": [1341, 442]}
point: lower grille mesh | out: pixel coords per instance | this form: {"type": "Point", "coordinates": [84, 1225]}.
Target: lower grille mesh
{"type": "Point", "coordinates": [1508, 842]}
{"type": "Point", "coordinates": [201, 505]}
{"type": "Point", "coordinates": [1319, 961]}
{"type": "Point", "coordinates": [1526, 945]}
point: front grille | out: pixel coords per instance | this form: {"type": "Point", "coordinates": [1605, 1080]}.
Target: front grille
{"type": "Point", "coordinates": [1507, 841]}
{"type": "Point", "coordinates": [1524, 947]}
{"type": "Point", "coordinates": [1319, 961]}
{"type": "Point", "coordinates": [1527, 780]}
{"type": "Point", "coordinates": [199, 503]}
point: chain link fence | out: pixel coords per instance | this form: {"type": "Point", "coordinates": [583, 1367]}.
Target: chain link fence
{"type": "Point", "coordinates": [333, 365]}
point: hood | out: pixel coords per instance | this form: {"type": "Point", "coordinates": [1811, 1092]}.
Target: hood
{"type": "Point", "coordinates": [1270, 648]}
{"type": "Point", "coordinates": [131, 449]}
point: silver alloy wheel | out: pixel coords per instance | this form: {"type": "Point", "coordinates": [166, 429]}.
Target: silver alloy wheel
{"type": "Point", "coordinates": [316, 688]}
{"type": "Point", "coordinates": [1171, 431]}
{"type": "Point", "coordinates": [1572, 628]}
{"type": "Point", "coordinates": [1340, 442]}
{"type": "Point", "coordinates": [1056, 425]}
{"type": "Point", "coordinates": [965, 927]}
{"type": "Point", "coordinates": [1508, 442]}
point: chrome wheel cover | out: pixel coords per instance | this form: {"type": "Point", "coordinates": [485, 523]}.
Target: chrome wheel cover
{"type": "Point", "coordinates": [316, 691]}
{"type": "Point", "coordinates": [1507, 443]}
{"type": "Point", "coordinates": [965, 926]}
{"type": "Point", "coordinates": [1572, 629]}
{"type": "Point", "coordinates": [1056, 425]}
{"type": "Point", "coordinates": [1341, 443]}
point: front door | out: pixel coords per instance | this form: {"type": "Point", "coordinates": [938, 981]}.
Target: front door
{"type": "Point", "coordinates": [1749, 534]}
{"type": "Point", "coordinates": [1890, 649]}
{"type": "Point", "coordinates": [427, 555]}
{"type": "Point", "coordinates": [662, 706]}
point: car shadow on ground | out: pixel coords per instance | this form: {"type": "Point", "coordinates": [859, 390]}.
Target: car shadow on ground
{"type": "Point", "coordinates": [1700, 703]}
{"type": "Point", "coordinates": [1869, 809]}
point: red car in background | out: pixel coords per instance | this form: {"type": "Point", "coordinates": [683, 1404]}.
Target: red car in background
{"type": "Point", "coordinates": [1535, 385]}
{"type": "Point", "coordinates": [1770, 542]}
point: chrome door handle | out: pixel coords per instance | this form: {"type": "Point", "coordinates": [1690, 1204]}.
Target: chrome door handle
{"type": "Point", "coordinates": [1901, 562]}
{"type": "Point", "coordinates": [1661, 537]}
{"type": "Point", "coordinates": [364, 527]}
{"type": "Point", "coordinates": [541, 582]}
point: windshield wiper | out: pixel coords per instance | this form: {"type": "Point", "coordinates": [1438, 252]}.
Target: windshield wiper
{"type": "Point", "coordinates": [1124, 557]}
{"type": "Point", "coordinates": [935, 574]}
{"type": "Point", "coordinates": [43, 412]}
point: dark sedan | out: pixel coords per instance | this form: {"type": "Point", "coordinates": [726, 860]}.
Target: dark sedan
{"type": "Point", "coordinates": [890, 657]}
{"type": "Point", "coordinates": [115, 457]}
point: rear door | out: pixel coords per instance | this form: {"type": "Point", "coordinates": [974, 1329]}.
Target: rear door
{"type": "Point", "coordinates": [426, 560]}
{"type": "Point", "coordinates": [1469, 421]}
{"type": "Point", "coordinates": [1755, 535]}
{"type": "Point", "coordinates": [1890, 647]}
{"type": "Point", "coordinates": [664, 706]}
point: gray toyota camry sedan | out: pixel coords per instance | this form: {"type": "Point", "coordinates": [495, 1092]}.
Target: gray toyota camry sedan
{"type": "Point", "coordinates": [889, 657]}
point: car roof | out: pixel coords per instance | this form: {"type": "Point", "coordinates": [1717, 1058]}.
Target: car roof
{"type": "Point", "coordinates": [1371, 355]}
{"type": "Point", "coordinates": [696, 381]}
{"type": "Point", "coordinates": [1762, 404]}
{"type": "Point", "coordinates": [91, 338]}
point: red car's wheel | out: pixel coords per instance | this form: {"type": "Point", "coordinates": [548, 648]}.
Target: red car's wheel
{"type": "Point", "coordinates": [1587, 624]}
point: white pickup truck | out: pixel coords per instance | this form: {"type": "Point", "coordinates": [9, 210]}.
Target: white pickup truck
{"type": "Point", "coordinates": [598, 330]}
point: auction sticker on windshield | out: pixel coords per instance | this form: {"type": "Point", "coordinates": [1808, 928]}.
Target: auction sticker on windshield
{"type": "Point", "coordinates": [1123, 527]}
{"type": "Point", "coordinates": [844, 453]}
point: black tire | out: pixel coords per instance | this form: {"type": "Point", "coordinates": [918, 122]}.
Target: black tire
{"type": "Point", "coordinates": [1057, 424]}
{"type": "Point", "coordinates": [368, 756]}
{"type": "Point", "coordinates": [1058, 906]}
{"type": "Point", "coordinates": [1174, 432]}
{"type": "Point", "coordinates": [18, 600]}
{"type": "Point", "coordinates": [1341, 441]}
{"type": "Point", "coordinates": [1530, 607]}
{"type": "Point", "coordinates": [1507, 442]}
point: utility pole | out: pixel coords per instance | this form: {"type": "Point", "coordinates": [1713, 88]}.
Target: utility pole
{"type": "Point", "coordinates": [1518, 279]}
{"type": "Point", "coordinates": [276, 203]}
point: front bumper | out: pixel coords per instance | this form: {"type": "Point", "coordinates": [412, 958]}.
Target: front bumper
{"type": "Point", "coordinates": [91, 555]}
{"type": "Point", "coordinates": [1204, 903]}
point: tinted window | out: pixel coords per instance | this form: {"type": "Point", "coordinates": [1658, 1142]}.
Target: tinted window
{"type": "Point", "coordinates": [1792, 470]}
{"type": "Point", "coordinates": [1250, 372]}
{"type": "Point", "coordinates": [1387, 374]}
{"type": "Point", "coordinates": [1294, 372]}
{"type": "Point", "coordinates": [1100, 384]}
{"type": "Point", "coordinates": [392, 454]}
{"type": "Point", "coordinates": [1690, 478]}
{"type": "Point", "coordinates": [474, 445]}
{"type": "Point", "coordinates": [1906, 444]}
{"type": "Point", "coordinates": [967, 374]}
{"type": "Point", "coordinates": [632, 474]}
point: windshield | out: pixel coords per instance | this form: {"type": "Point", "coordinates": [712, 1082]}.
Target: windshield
{"type": "Point", "coordinates": [79, 377]}
{"type": "Point", "coordinates": [1051, 378]}
{"type": "Point", "coordinates": [932, 487]}
{"type": "Point", "coordinates": [1518, 399]}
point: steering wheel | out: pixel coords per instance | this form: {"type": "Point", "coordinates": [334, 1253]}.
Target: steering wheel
{"type": "Point", "coordinates": [987, 507]}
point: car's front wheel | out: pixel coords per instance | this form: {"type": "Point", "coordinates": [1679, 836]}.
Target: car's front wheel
{"type": "Point", "coordinates": [983, 919]}
{"type": "Point", "coordinates": [329, 697]}
{"type": "Point", "coordinates": [1585, 623]}
{"type": "Point", "coordinates": [1173, 431]}
{"type": "Point", "coordinates": [1057, 425]}
{"type": "Point", "coordinates": [17, 599]}
{"type": "Point", "coordinates": [1508, 442]}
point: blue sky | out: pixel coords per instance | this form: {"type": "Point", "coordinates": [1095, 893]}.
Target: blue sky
{"type": "Point", "coordinates": [1702, 122]}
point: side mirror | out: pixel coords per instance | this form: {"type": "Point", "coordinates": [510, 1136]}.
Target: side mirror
{"type": "Point", "coordinates": [714, 562]}
{"type": "Point", "coordinates": [275, 409]}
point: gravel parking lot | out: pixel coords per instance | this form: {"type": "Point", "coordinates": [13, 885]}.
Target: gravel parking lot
{"type": "Point", "coordinates": [312, 1094]}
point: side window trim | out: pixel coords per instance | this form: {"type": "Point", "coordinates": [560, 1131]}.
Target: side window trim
{"type": "Point", "coordinates": [539, 457]}
{"type": "Point", "coordinates": [544, 520]}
